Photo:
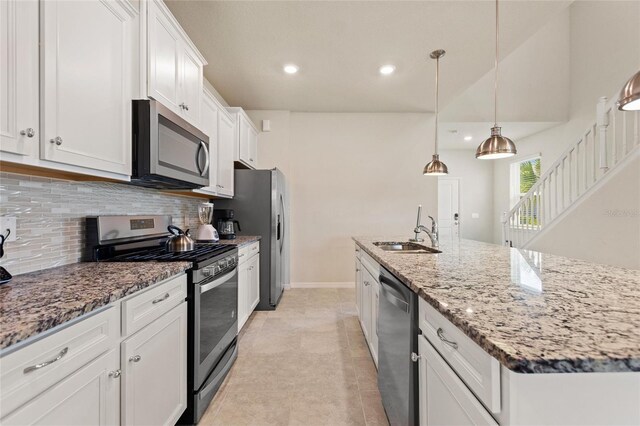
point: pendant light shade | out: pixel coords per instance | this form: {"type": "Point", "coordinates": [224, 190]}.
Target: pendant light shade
{"type": "Point", "coordinates": [435, 167]}
{"type": "Point", "coordinates": [496, 146]}
{"type": "Point", "coordinates": [629, 99]}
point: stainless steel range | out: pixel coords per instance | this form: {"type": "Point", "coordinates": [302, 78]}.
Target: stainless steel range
{"type": "Point", "coordinates": [212, 295]}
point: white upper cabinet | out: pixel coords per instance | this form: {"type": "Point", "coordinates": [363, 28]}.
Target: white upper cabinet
{"type": "Point", "coordinates": [86, 83]}
{"type": "Point", "coordinates": [246, 148]}
{"type": "Point", "coordinates": [19, 126]}
{"type": "Point", "coordinates": [164, 56]}
{"type": "Point", "coordinates": [209, 124]}
{"type": "Point", "coordinates": [226, 146]}
{"type": "Point", "coordinates": [174, 76]}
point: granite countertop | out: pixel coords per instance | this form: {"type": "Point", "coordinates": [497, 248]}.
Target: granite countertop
{"type": "Point", "coordinates": [38, 301]}
{"type": "Point", "coordinates": [533, 312]}
{"type": "Point", "coordinates": [241, 240]}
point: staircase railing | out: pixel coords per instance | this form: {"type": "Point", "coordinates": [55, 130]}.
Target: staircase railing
{"type": "Point", "coordinates": [603, 145]}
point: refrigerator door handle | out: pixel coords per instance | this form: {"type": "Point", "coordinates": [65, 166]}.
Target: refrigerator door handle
{"type": "Point", "coordinates": [283, 223]}
{"type": "Point", "coordinates": [278, 228]}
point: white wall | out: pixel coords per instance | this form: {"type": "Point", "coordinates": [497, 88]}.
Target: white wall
{"type": "Point", "coordinates": [349, 174]}
{"type": "Point", "coordinates": [605, 228]}
{"type": "Point", "coordinates": [476, 193]}
{"type": "Point", "coordinates": [604, 53]}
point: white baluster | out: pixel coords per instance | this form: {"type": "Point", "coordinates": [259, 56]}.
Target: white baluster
{"type": "Point", "coordinates": [603, 123]}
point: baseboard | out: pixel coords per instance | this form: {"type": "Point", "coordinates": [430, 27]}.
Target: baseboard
{"type": "Point", "coordinates": [348, 284]}
{"type": "Point", "coordinates": [287, 286]}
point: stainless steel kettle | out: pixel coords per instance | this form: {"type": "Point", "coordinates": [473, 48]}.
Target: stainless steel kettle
{"type": "Point", "coordinates": [180, 241]}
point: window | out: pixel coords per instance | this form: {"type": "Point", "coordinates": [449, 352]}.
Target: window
{"type": "Point", "coordinates": [524, 175]}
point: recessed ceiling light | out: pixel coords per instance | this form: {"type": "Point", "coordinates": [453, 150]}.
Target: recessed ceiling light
{"type": "Point", "coordinates": [468, 138]}
{"type": "Point", "coordinates": [387, 69]}
{"type": "Point", "coordinates": [291, 69]}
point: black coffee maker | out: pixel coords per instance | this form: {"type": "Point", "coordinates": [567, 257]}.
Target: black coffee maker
{"type": "Point", "coordinates": [225, 224]}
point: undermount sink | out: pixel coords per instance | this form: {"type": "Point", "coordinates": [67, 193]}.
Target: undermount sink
{"type": "Point", "coordinates": [405, 247]}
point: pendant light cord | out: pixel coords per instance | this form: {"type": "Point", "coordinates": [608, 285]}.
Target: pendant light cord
{"type": "Point", "coordinates": [437, 86]}
{"type": "Point", "coordinates": [495, 82]}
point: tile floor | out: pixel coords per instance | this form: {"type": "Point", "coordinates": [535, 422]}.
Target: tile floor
{"type": "Point", "coordinates": [306, 363]}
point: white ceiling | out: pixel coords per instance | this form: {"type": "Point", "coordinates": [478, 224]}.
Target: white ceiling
{"type": "Point", "coordinates": [339, 46]}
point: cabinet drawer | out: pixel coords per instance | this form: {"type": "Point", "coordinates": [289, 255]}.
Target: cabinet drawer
{"type": "Point", "coordinates": [479, 370]}
{"type": "Point", "coordinates": [40, 365]}
{"type": "Point", "coordinates": [247, 251]}
{"type": "Point", "coordinates": [144, 308]}
{"type": "Point", "coordinates": [371, 265]}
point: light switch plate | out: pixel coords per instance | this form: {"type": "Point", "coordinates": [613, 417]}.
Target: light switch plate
{"type": "Point", "coordinates": [7, 222]}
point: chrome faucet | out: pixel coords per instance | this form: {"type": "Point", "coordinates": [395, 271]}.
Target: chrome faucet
{"type": "Point", "coordinates": [433, 233]}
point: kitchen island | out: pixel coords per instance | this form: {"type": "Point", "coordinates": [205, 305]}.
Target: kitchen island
{"type": "Point", "coordinates": [534, 317]}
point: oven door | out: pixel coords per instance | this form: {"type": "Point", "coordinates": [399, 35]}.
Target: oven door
{"type": "Point", "coordinates": [215, 322]}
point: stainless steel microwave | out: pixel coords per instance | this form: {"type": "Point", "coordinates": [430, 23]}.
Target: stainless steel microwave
{"type": "Point", "coordinates": [168, 152]}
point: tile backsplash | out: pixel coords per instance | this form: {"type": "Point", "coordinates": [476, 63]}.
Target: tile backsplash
{"type": "Point", "coordinates": [51, 215]}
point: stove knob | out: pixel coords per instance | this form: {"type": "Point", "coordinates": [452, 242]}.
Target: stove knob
{"type": "Point", "coordinates": [207, 272]}
{"type": "Point", "coordinates": [216, 269]}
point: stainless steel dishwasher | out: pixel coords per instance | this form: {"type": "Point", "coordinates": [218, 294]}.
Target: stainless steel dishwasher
{"type": "Point", "coordinates": [397, 340]}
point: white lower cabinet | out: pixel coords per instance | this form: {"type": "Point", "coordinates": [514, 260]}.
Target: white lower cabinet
{"type": "Point", "coordinates": [93, 371]}
{"type": "Point", "coordinates": [154, 371]}
{"type": "Point", "coordinates": [444, 398]}
{"type": "Point", "coordinates": [88, 396]}
{"type": "Point", "coordinates": [367, 299]}
{"type": "Point", "coordinates": [248, 281]}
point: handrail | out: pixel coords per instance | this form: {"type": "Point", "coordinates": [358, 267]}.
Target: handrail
{"type": "Point", "coordinates": [574, 172]}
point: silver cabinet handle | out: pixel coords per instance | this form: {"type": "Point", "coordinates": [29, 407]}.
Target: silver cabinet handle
{"type": "Point", "coordinates": [28, 132]}
{"type": "Point", "coordinates": [165, 297]}
{"type": "Point", "coordinates": [367, 283]}
{"type": "Point", "coordinates": [186, 107]}
{"type": "Point", "coordinates": [135, 358]}
{"type": "Point", "coordinates": [115, 374]}
{"type": "Point", "coordinates": [440, 332]}
{"type": "Point", "coordinates": [181, 105]}
{"type": "Point", "coordinates": [57, 140]}
{"type": "Point", "coordinates": [415, 357]}
{"type": "Point", "coordinates": [44, 364]}
{"type": "Point", "coordinates": [251, 159]}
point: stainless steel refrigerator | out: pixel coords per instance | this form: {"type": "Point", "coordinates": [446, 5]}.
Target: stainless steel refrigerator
{"type": "Point", "coordinates": [261, 206]}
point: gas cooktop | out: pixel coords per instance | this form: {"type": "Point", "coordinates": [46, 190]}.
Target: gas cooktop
{"type": "Point", "coordinates": [200, 253]}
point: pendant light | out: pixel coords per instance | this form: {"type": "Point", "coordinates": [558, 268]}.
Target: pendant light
{"type": "Point", "coordinates": [629, 99]}
{"type": "Point", "coordinates": [496, 146]}
{"type": "Point", "coordinates": [435, 167]}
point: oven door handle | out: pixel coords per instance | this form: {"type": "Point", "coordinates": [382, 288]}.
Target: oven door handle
{"type": "Point", "coordinates": [218, 281]}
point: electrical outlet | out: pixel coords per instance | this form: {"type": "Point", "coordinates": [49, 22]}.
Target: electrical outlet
{"type": "Point", "coordinates": [9, 223]}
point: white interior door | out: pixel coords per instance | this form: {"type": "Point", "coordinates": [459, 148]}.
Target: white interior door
{"type": "Point", "coordinates": [449, 207]}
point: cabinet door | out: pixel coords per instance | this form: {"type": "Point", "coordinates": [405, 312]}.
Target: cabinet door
{"type": "Point", "coordinates": [86, 84]}
{"type": "Point", "coordinates": [253, 147]}
{"type": "Point", "coordinates": [375, 301]}
{"type": "Point", "coordinates": [209, 124]}
{"type": "Point", "coordinates": [164, 48]}
{"type": "Point", "coordinates": [444, 398]}
{"type": "Point", "coordinates": [243, 139]}
{"type": "Point", "coordinates": [359, 288]}
{"type": "Point", "coordinates": [226, 145]}
{"type": "Point", "coordinates": [19, 126]}
{"type": "Point", "coordinates": [154, 371]}
{"type": "Point", "coordinates": [254, 288]}
{"type": "Point", "coordinates": [89, 396]}
{"type": "Point", "coordinates": [243, 293]}
{"type": "Point", "coordinates": [367, 295]}
{"type": "Point", "coordinates": [190, 86]}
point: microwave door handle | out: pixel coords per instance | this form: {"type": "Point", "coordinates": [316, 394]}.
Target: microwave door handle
{"type": "Point", "coordinates": [205, 169]}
